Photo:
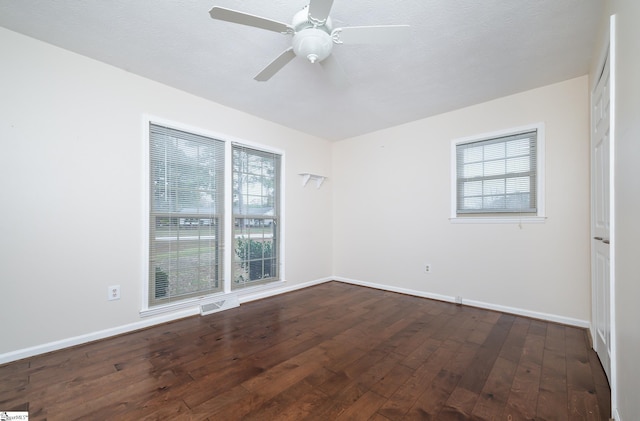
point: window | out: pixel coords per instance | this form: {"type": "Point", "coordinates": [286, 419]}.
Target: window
{"type": "Point", "coordinates": [214, 218]}
{"type": "Point", "coordinates": [499, 176]}
{"type": "Point", "coordinates": [255, 216]}
{"type": "Point", "coordinates": [186, 215]}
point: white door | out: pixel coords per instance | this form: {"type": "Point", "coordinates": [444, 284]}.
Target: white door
{"type": "Point", "coordinates": [600, 220]}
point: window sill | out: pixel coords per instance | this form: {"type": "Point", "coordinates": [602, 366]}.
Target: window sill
{"type": "Point", "coordinates": [498, 220]}
{"type": "Point", "coordinates": [192, 305]}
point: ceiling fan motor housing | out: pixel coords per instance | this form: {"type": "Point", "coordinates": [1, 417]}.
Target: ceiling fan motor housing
{"type": "Point", "coordinates": [311, 41]}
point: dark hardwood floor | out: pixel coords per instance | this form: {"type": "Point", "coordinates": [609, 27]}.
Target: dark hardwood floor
{"type": "Point", "coordinates": [333, 351]}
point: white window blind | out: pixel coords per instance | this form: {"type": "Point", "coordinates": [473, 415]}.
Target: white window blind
{"type": "Point", "coordinates": [256, 216]}
{"type": "Point", "coordinates": [497, 175]}
{"type": "Point", "coordinates": [186, 215]}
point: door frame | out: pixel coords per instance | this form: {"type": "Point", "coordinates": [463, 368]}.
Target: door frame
{"type": "Point", "coordinates": [608, 53]}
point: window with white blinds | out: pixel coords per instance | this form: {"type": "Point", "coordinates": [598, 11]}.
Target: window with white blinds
{"type": "Point", "coordinates": [186, 215]}
{"type": "Point", "coordinates": [498, 175]}
{"type": "Point", "coordinates": [256, 216]}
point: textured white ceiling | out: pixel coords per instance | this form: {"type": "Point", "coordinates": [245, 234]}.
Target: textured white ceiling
{"type": "Point", "coordinates": [462, 52]}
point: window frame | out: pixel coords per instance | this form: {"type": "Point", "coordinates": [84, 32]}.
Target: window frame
{"type": "Point", "coordinates": [186, 189]}
{"type": "Point", "coordinates": [191, 305]}
{"type": "Point", "coordinates": [256, 220]}
{"type": "Point", "coordinates": [501, 217]}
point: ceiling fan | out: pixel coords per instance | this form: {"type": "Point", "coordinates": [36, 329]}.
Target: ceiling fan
{"type": "Point", "coordinates": [314, 36]}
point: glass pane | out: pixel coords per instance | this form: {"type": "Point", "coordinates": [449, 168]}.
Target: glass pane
{"type": "Point", "coordinates": [472, 170]}
{"type": "Point", "coordinates": [493, 168]}
{"type": "Point", "coordinates": [494, 151]}
{"type": "Point", "coordinates": [186, 260]}
{"type": "Point", "coordinates": [472, 188]}
{"type": "Point", "coordinates": [473, 154]}
{"type": "Point", "coordinates": [517, 165]}
{"type": "Point", "coordinates": [518, 147]}
{"type": "Point", "coordinates": [255, 254]}
{"type": "Point", "coordinates": [494, 202]}
{"type": "Point", "coordinates": [472, 203]}
{"type": "Point", "coordinates": [518, 185]}
{"type": "Point", "coordinates": [519, 201]}
{"type": "Point", "coordinates": [493, 187]}
{"type": "Point", "coordinates": [254, 185]}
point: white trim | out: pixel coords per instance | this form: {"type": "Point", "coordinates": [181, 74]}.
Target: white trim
{"type": "Point", "coordinates": [181, 305]}
{"type": "Point", "coordinates": [498, 220]}
{"type": "Point", "coordinates": [265, 291]}
{"type": "Point", "coordinates": [145, 207]}
{"type": "Point", "coordinates": [228, 220]}
{"type": "Point", "coordinates": [258, 293]}
{"type": "Point", "coordinates": [94, 336]}
{"type": "Point", "coordinates": [529, 313]}
{"type": "Point", "coordinates": [149, 118]}
{"type": "Point", "coordinates": [250, 294]}
{"type": "Point", "coordinates": [613, 360]}
{"type": "Point", "coordinates": [616, 415]}
{"type": "Point", "coordinates": [282, 218]}
{"type": "Point", "coordinates": [383, 287]}
{"type": "Point", "coordinates": [540, 216]}
{"type": "Point", "coordinates": [480, 304]}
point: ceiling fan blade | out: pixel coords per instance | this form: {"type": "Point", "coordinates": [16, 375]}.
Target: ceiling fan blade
{"type": "Point", "coordinates": [277, 64]}
{"type": "Point", "coordinates": [242, 18]}
{"type": "Point", "coordinates": [335, 71]}
{"type": "Point", "coordinates": [319, 10]}
{"type": "Point", "coordinates": [381, 34]}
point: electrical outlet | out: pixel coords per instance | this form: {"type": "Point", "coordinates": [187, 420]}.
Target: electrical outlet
{"type": "Point", "coordinates": [427, 268]}
{"type": "Point", "coordinates": [113, 292]}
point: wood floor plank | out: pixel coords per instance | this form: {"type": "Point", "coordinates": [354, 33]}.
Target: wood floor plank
{"type": "Point", "coordinates": [523, 399]}
{"type": "Point", "coordinates": [552, 398]}
{"type": "Point", "coordinates": [583, 403]}
{"type": "Point", "coordinates": [376, 373]}
{"type": "Point", "coordinates": [363, 408]}
{"type": "Point", "coordinates": [475, 378]}
{"type": "Point", "coordinates": [459, 406]}
{"type": "Point", "coordinates": [601, 384]}
{"type": "Point", "coordinates": [231, 404]}
{"type": "Point", "coordinates": [392, 380]}
{"type": "Point", "coordinates": [332, 351]}
{"type": "Point", "coordinates": [280, 406]}
{"type": "Point", "coordinates": [408, 393]}
{"type": "Point", "coordinates": [300, 408]}
{"type": "Point", "coordinates": [433, 398]}
{"type": "Point", "coordinates": [495, 392]}
{"type": "Point", "coordinates": [455, 400]}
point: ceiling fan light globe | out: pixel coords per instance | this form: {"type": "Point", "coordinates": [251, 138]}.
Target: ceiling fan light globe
{"type": "Point", "coordinates": [313, 44]}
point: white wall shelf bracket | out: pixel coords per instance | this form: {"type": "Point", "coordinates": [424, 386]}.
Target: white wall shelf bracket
{"type": "Point", "coordinates": [306, 177]}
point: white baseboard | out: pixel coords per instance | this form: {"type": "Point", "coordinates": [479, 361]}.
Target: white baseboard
{"type": "Point", "coordinates": [616, 415]}
{"type": "Point", "coordinates": [250, 294]}
{"type": "Point", "coordinates": [258, 293]}
{"type": "Point", "coordinates": [94, 336]}
{"type": "Point", "coordinates": [264, 292]}
{"type": "Point", "coordinates": [487, 306]}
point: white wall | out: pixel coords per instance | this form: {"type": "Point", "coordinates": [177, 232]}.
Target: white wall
{"type": "Point", "coordinates": [627, 201]}
{"type": "Point", "coordinates": [392, 204]}
{"type": "Point", "coordinates": [71, 177]}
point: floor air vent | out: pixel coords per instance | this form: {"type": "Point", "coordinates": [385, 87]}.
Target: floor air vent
{"type": "Point", "coordinates": [224, 303]}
